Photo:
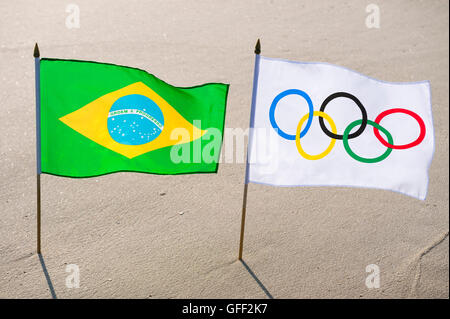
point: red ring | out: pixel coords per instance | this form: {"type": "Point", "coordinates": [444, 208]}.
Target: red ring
{"type": "Point", "coordinates": [405, 146]}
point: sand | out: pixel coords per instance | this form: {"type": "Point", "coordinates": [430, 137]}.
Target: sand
{"type": "Point", "coordinates": [131, 242]}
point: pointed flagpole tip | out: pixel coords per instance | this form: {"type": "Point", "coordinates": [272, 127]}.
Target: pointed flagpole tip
{"type": "Point", "coordinates": [258, 47]}
{"type": "Point", "coordinates": [36, 53]}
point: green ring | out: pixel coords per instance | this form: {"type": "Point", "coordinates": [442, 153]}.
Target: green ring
{"type": "Point", "coordinates": [362, 159]}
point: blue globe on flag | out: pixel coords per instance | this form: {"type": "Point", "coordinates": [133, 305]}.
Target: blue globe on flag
{"type": "Point", "coordinates": [135, 120]}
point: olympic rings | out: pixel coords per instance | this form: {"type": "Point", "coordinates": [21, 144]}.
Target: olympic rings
{"type": "Point", "coordinates": [274, 105]}
{"type": "Point", "coordinates": [346, 136]}
{"type": "Point", "coordinates": [297, 136]}
{"type": "Point", "coordinates": [358, 103]}
{"type": "Point", "coordinates": [405, 146]}
{"type": "Point", "coordinates": [362, 159]}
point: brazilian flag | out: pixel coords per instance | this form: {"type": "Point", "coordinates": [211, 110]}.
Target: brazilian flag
{"type": "Point", "coordinates": [99, 118]}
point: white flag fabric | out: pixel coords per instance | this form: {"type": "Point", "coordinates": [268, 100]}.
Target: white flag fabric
{"type": "Point", "coordinates": [317, 124]}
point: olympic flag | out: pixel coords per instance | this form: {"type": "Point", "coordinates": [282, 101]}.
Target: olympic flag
{"type": "Point", "coordinates": [317, 124]}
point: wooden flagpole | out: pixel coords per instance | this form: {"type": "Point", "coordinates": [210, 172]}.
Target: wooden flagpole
{"type": "Point", "coordinates": [37, 72]}
{"type": "Point", "coordinates": [252, 115]}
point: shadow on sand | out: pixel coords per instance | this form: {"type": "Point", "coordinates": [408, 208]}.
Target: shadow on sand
{"type": "Point", "coordinates": [260, 284]}
{"type": "Point", "coordinates": [47, 277]}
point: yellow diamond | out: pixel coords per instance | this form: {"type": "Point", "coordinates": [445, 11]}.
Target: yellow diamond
{"type": "Point", "coordinates": [91, 121]}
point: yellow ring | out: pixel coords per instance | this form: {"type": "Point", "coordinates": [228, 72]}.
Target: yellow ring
{"type": "Point", "coordinates": [299, 129]}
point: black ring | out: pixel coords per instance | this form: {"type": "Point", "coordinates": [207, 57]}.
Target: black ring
{"type": "Point", "coordinates": [354, 99]}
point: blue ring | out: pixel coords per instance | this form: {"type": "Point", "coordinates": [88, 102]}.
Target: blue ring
{"type": "Point", "coordinates": [274, 105]}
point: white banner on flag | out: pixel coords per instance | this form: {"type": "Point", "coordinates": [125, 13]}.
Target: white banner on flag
{"type": "Point", "coordinates": [336, 127]}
